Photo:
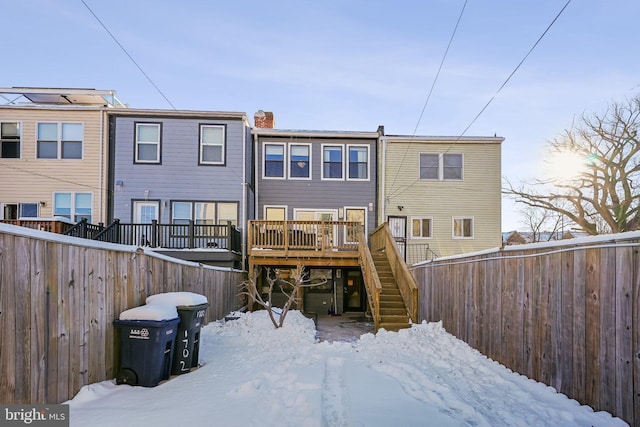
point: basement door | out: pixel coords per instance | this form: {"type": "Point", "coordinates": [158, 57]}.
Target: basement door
{"type": "Point", "coordinates": [398, 228]}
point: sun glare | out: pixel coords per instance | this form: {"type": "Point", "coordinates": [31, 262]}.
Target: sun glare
{"type": "Point", "coordinates": [565, 166]}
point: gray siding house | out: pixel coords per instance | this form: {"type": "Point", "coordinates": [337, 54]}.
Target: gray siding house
{"type": "Point", "coordinates": [181, 168]}
{"type": "Point", "coordinates": [310, 176]}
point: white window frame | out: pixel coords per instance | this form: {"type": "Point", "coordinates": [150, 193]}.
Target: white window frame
{"type": "Point", "coordinates": [20, 141]}
{"type": "Point", "coordinates": [421, 237]}
{"type": "Point", "coordinates": [342, 162]}
{"type": "Point", "coordinates": [462, 218]}
{"type": "Point", "coordinates": [137, 143]}
{"type": "Point", "coordinates": [19, 206]}
{"type": "Point", "coordinates": [288, 161]}
{"type": "Point", "coordinates": [223, 145]}
{"type": "Point", "coordinates": [441, 167]}
{"type": "Point", "coordinates": [59, 141]}
{"type": "Point", "coordinates": [347, 162]}
{"type": "Point", "coordinates": [284, 160]}
{"type": "Point", "coordinates": [73, 214]}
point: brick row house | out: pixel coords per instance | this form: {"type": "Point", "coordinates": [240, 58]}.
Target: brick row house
{"type": "Point", "coordinates": [207, 186]}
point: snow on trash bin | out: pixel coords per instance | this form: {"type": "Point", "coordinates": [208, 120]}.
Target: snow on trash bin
{"type": "Point", "coordinates": [191, 308]}
{"type": "Point", "coordinates": [147, 342]}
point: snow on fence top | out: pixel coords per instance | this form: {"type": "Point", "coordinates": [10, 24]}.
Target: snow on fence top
{"type": "Point", "coordinates": [177, 298]}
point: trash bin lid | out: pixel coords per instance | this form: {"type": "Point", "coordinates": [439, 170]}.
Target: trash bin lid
{"type": "Point", "coordinates": [178, 298]}
{"type": "Point", "coordinates": [156, 311]}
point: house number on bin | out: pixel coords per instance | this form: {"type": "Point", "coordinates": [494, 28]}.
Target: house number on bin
{"type": "Point", "coordinates": [185, 350]}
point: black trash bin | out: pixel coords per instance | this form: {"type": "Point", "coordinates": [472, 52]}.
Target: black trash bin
{"type": "Point", "coordinates": [188, 337]}
{"type": "Point", "coordinates": [146, 351]}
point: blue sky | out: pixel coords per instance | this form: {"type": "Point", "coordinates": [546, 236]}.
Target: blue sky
{"type": "Point", "coordinates": [344, 65]}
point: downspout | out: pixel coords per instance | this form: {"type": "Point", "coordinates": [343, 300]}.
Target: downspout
{"type": "Point", "coordinates": [383, 155]}
{"type": "Point", "coordinates": [100, 179]}
{"type": "Point", "coordinates": [244, 190]}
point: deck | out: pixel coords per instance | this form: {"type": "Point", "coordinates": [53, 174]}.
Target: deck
{"type": "Point", "coordinates": [308, 243]}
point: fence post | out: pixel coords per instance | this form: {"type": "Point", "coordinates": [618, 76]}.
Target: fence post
{"type": "Point", "coordinates": [190, 238]}
{"type": "Point", "coordinates": [154, 233]}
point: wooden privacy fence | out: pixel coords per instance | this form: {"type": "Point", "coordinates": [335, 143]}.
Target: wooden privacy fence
{"type": "Point", "coordinates": [565, 315]}
{"type": "Point", "coordinates": [58, 299]}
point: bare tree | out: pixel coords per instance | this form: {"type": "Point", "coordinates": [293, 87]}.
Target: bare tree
{"type": "Point", "coordinates": [541, 222]}
{"type": "Point", "coordinates": [299, 279]}
{"type": "Point", "coordinates": [603, 196]}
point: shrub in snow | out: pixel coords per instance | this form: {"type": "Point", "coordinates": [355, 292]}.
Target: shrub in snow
{"type": "Point", "coordinates": [291, 288]}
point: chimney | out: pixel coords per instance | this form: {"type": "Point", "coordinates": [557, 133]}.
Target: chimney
{"type": "Point", "coordinates": [264, 119]}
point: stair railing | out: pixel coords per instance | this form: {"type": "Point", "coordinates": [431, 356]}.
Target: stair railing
{"type": "Point", "coordinates": [384, 241]}
{"type": "Point", "coordinates": [371, 279]}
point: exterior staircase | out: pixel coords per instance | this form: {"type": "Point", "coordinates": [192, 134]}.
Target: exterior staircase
{"type": "Point", "coordinates": [393, 311]}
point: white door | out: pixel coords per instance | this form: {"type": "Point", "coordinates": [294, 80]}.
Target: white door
{"type": "Point", "coordinates": [398, 228]}
{"type": "Point", "coordinates": [143, 214]}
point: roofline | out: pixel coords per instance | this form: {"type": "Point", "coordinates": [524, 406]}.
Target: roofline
{"type": "Point", "coordinates": [77, 107]}
{"type": "Point", "coordinates": [421, 139]}
{"type": "Point", "coordinates": [177, 113]}
{"type": "Point", "coordinates": [313, 133]}
{"type": "Point", "coordinates": [54, 91]}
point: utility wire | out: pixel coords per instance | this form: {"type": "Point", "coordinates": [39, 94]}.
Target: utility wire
{"type": "Point", "coordinates": [402, 191]}
{"type": "Point", "coordinates": [130, 57]}
{"type": "Point", "coordinates": [424, 107]}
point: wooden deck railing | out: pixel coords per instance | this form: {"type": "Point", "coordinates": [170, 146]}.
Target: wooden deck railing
{"type": "Point", "coordinates": [51, 225]}
{"type": "Point", "coordinates": [371, 280]}
{"type": "Point", "coordinates": [304, 235]}
{"type": "Point", "coordinates": [381, 239]}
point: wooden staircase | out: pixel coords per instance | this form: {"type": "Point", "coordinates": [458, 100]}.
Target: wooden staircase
{"type": "Point", "coordinates": [393, 311]}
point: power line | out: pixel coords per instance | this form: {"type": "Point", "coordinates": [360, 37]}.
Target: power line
{"type": "Point", "coordinates": [398, 193]}
{"type": "Point", "coordinates": [128, 55]}
{"type": "Point", "coordinates": [424, 107]}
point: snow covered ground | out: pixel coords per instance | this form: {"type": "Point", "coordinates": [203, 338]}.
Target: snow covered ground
{"type": "Point", "coordinates": [255, 375]}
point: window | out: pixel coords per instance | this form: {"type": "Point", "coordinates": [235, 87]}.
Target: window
{"type": "Point", "coordinates": [181, 213]}
{"type": "Point", "coordinates": [442, 167]}
{"type": "Point", "coordinates": [332, 167]}
{"type": "Point", "coordinates": [204, 213]}
{"type": "Point", "coordinates": [10, 140]}
{"type": "Point", "coordinates": [228, 212]}
{"type": "Point", "coordinates": [19, 210]}
{"type": "Point", "coordinates": [74, 206]}
{"type": "Point", "coordinates": [421, 228]}
{"type": "Point", "coordinates": [299, 161]}
{"type": "Point", "coordinates": [275, 213]}
{"type": "Point", "coordinates": [463, 228]}
{"type": "Point", "coordinates": [212, 145]}
{"type": "Point", "coordinates": [274, 161]}
{"type": "Point", "coordinates": [60, 140]}
{"type": "Point", "coordinates": [452, 166]}
{"type": "Point", "coordinates": [429, 166]}
{"type": "Point", "coordinates": [358, 162]}
{"type": "Point", "coordinates": [147, 140]}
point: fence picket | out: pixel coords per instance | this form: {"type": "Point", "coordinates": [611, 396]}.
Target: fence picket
{"type": "Point", "coordinates": [568, 316]}
{"type": "Point", "coordinates": [58, 302]}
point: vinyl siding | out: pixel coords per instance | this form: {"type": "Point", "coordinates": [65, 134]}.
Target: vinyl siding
{"type": "Point", "coordinates": [179, 177]}
{"type": "Point", "coordinates": [316, 193]}
{"type": "Point", "coordinates": [29, 179]}
{"type": "Point", "coordinates": [477, 196]}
